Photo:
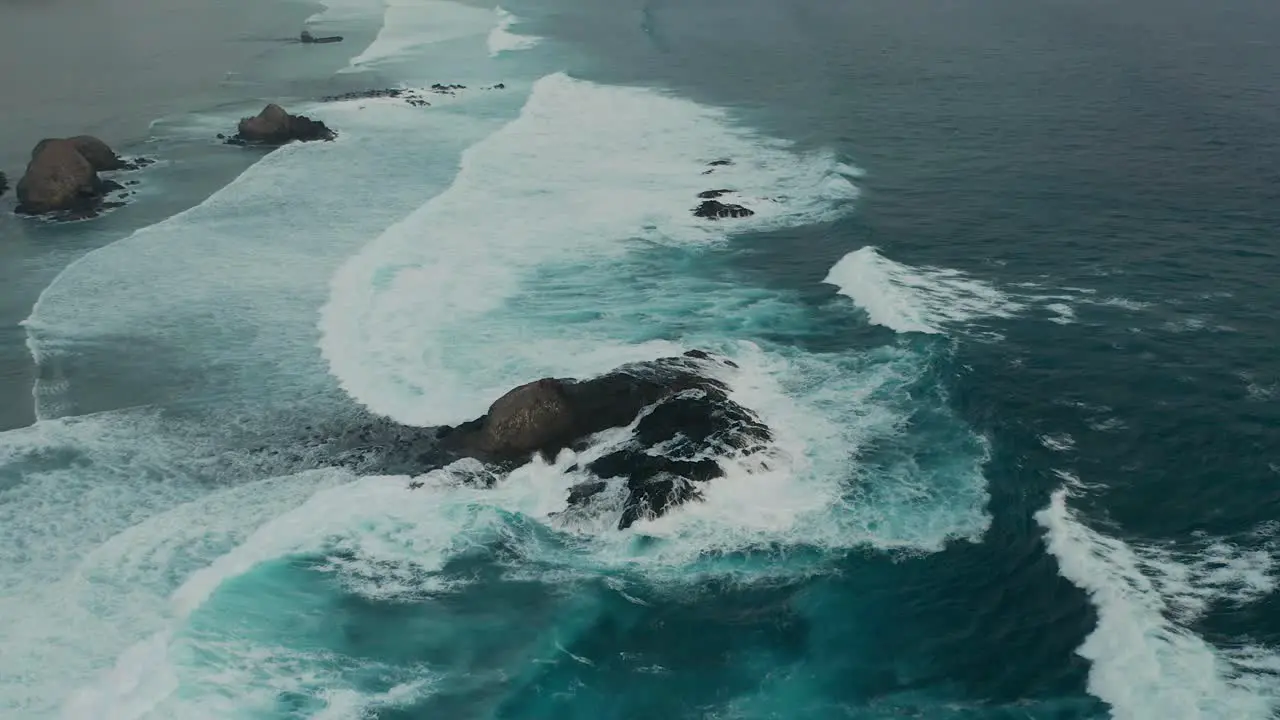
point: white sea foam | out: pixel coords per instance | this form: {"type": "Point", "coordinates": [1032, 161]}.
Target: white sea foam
{"type": "Point", "coordinates": [1148, 663]}
{"type": "Point", "coordinates": [587, 171]}
{"type": "Point", "coordinates": [502, 39]}
{"type": "Point", "coordinates": [410, 25]}
{"type": "Point", "coordinates": [335, 11]}
{"type": "Point", "coordinates": [1061, 442]}
{"type": "Point", "coordinates": [916, 299]}
{"type": "Point", "coordinates": [386, 543]}
{"type": "Point", "coordinates": [100, 517]}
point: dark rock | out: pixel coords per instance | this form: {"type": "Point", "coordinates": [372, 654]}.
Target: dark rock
{"type": "Point", "coordinates": [683, 420]}
{"type": "Point", "coordinates": [99, 155]}
{"type": "Point", "coordinates": [4, 184]}
{"type": "Point", "coordinates": [136, 163]}
{"type": "Point", "coordinates": [58, 178]}
{"type": "Point", "coordinates": [712, 194]}
{"type": "Point", "coordinates": [274, 126]}
{"type": "Point", "coordinates": [409, 96]}
{"type": "Point", "coordinates": [499, 86]}
{"type": "Point", "coordinates": [309, 39]}
{"type": "Point", "coordinates": [714, 210]}
{"type": "Point", "coordinates": [447, 89]}
{"type": "Point", "coordinates": [718, 163]}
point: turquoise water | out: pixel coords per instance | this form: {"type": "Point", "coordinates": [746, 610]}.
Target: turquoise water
{"type": "Point", "coordinates": [1026, 440]}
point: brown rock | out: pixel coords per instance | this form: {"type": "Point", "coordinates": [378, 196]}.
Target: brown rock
{"type": "Point", "coordinates": [57, 178]}
{"type": "Point", "coordinates": [532, 417]}
{"type": "Point", "coordinates": [98, 153]}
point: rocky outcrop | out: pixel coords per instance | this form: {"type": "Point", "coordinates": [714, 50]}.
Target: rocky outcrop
{"type": "Point", "coordinates": [683, 420]}
{"type": "Point", "coordinates": [714, 210]}
{"type": "Point", "coordinates": [59, 178]}
{"type": "Point", "coordinates": [63, 177]}
{"type": "Point", "coordinates": [682, 426]}
{"type": "Point", "coordinates": [274, 126]}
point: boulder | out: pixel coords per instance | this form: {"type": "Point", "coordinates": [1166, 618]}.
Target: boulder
{"type": "Point", "coordinates": [98, 153]}
{"type": "Point", "coordinates": [274, 126]}
{"type": "Point", "coordinates": [58, 178]}
{"type": "Point", "coordinates": [533, 417]}
{"type": "Point", "coordinates": [683, 421]}
{"type": "Point", "coordinates": [714, 210]}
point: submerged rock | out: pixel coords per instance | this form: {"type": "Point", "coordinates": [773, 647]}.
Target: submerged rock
{"type": "Point", "coordinates": [712, 194]}
{"type": "Point", "coordinates": [409, 96]}
{"type": "Point", "coordinates": [274, 126]}
{"type": "Point", "coordinates": [714, 210]}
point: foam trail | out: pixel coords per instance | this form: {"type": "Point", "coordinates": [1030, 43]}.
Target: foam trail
{"type": "Point", "coordinates": [1147, 663]}
{"type": "Point", "coordinates": [420, 324]}
{"type": "Point", "coordinates": [410, 25]}
{"type": "Point", "coordinates": [910, 299]}
{"type": "Point", "coordinates": [501, 39]}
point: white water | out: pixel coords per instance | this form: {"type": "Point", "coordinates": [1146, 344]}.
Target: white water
{"type": "Point", "coordinates": [502, 39]}
{"type": "Point", "coordinates": [446, 302]}
{"type": "Point", "coordinates": [410, 26]}
{"type": "Point", "coordinates": [939, 301]}
{"type": "Point", "coordinates": [910, 299]}
{"type": "Point", "coordinates": [220, 301]}
{"type": "Point", "coordinates": [586, 173]}
{"type": "Point", "coordinates": [1147, 662]}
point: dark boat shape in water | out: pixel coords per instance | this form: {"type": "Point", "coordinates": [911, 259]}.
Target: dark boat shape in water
{"type": "Point", "coordinates": [308, 39]}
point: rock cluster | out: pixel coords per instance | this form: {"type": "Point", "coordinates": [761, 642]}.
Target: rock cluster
{"type": "Point", "coordinates": [62, 176]}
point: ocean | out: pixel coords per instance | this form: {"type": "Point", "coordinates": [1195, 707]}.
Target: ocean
{"type": "Point", "coordinates": [1005, 304]}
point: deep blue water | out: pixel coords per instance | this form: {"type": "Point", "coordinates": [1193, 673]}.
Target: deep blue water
{"type": "Point", "coordinates": [1007, 304]}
